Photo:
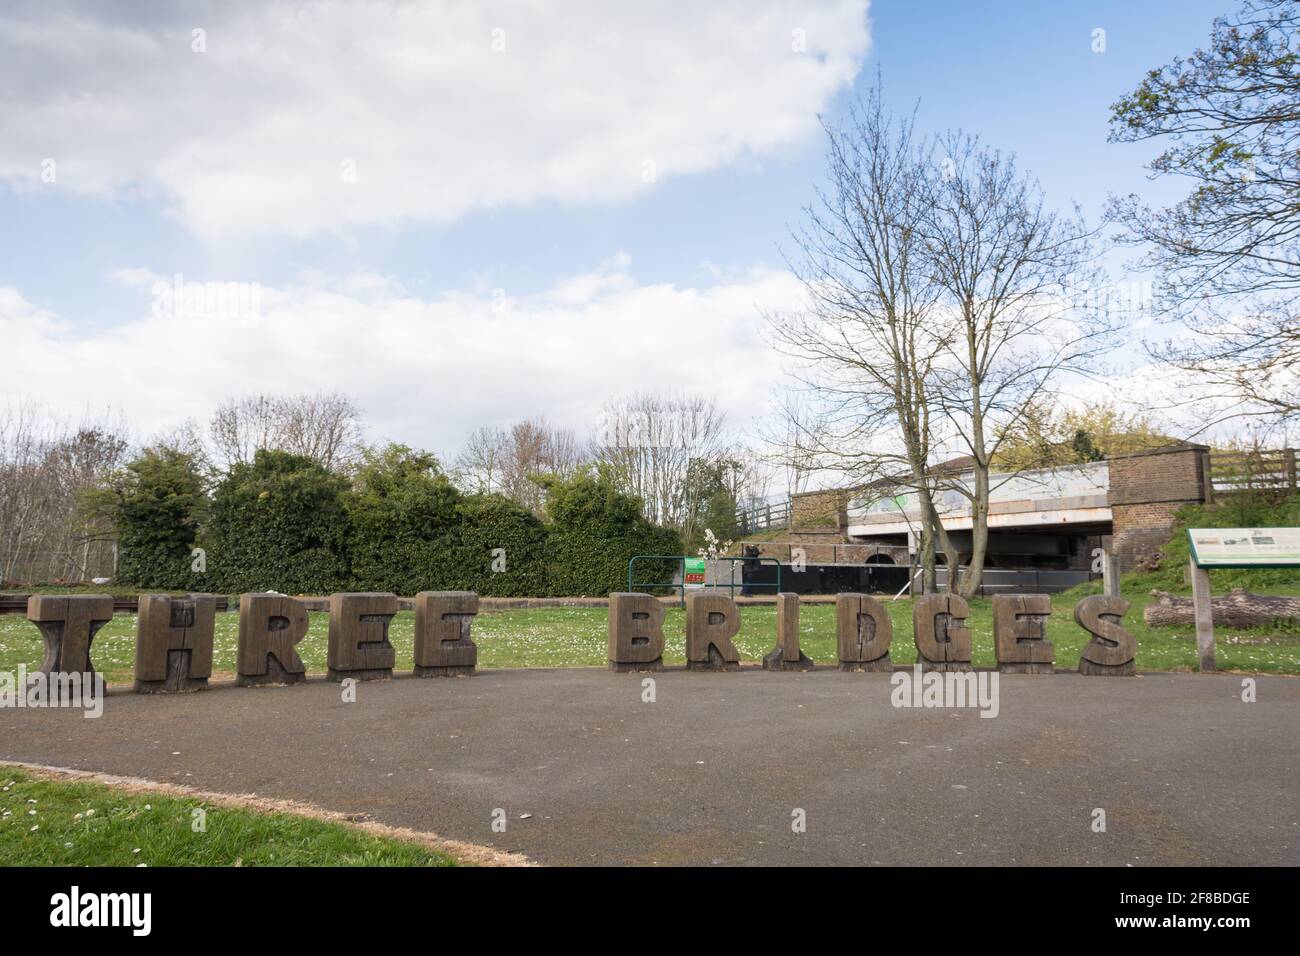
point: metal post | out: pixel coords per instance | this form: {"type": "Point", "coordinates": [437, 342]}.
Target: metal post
{"type": "Point", "coordinates": [1204, 612]}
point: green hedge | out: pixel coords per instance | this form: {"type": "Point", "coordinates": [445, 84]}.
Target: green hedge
{"type": "Point", "coordinates": [499, 550]}
{"type": "Point", "coordinates": [401, 511]}
{"type": "Point", "coordinates": [284, 523]}
{"type": "Point", "coordinates": [279, 523]}
{"type": "Point", "coordinates": [460, 557]}
{"type": "Point", "coordinates": [594, 531]}
{"type": "Point", "coordinates": [157, 503]}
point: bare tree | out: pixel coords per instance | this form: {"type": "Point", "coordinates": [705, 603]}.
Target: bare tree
{"type": "Point", "coordinates": [188, 439]}
{"type": "Point", "coordinates": [510, 461]}
{"type": "Point", "coordinates": [867, 344]}
{"type": "Point", "coordinates": [46, 471]}
{"type": "Point", "coordinates": [650, 442]}
{"type": "Point", "coordinates": [325, 427]}
{"type": "Point", "coordinates": [479, 466]}
{"type": "Point", "coordinates": [1016, 280]}
{"type": "Point", "coordinates": [791, 438]}
{"type": "Point", "coordinates": [535, 448]}
{"type": "Point", "coordinates": [944, 301]}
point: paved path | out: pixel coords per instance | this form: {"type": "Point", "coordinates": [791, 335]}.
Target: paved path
{"type": "Point", "coordinates": [710, 772]}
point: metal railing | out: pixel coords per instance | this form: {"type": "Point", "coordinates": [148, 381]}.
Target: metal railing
{"type": "Point", "coordinates": [682, 586]}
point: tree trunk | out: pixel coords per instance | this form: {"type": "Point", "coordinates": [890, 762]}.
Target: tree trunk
{"type": "Point", "coordinates": [932, 520]}
{"type": "Point", "coordinates": [927, 561]}
{"type": "Point", "coordinates": [1237, 608]}
{"type": "Point", "coordinates": [974, 576]}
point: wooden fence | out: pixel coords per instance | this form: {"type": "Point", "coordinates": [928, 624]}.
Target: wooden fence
{"type": "Point", "coordinates": [762, 517]}
{"type": "Point", "coordinates": [1271, 471]}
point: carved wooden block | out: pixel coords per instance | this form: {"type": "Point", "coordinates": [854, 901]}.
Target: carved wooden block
{"type": "Point", "coordinates": [270, 626]}
{"type": "Point", "coordinates": [173, 643]}
{"type": "Point", "coordinates": [942, 643]}
{"type": "Point", "coordinates": [712, 620]}
{"type": "Point", "coordinates": [68, 623]}
{"type": "Point", "coordinates": [1020, 633]}
{"type": "Point", "coordinates": [358, 641]}
{"type": "Point", "coordinates": [1112, 651]}
{"type": "Point", "coordinates": [636, 632]}
{"type": "Point", "coordinates": [443, 647]}
{"type": "Point", "coordinates": [863, 633]}
{"type": "Point", "coordinates": [787, 655]}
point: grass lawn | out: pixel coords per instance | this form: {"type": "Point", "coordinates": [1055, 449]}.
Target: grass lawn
{"type": "Point", "coordinates": [575, 637]}
{"type": "Point", "coordinates": [67, 823]}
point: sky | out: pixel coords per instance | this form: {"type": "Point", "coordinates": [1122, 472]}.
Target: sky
{"type": "Point", "coordinates": [466, 214]}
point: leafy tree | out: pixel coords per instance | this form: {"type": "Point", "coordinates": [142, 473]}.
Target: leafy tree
{"type": "Point", "coordinates": [157, 505]}
{"type": "Point", "coordinates": [1049, 438]}
{"type": "Point", "coordinates": [401, 503]}
{"type": "Point", "coordinates": [500, 549]}
{"type": "Point", "coordinates": [413, 531]}
{"type": "Point", "coordinates": [714, 503]}
{"type": "Point", "coordinates": [1228, 254]}
{"type": "Point", "coordinates": [594, 530]}
{"type": "Point", "coordinates": [279, 522]}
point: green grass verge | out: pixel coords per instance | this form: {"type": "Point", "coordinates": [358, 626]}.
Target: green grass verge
{"type": "Point", "coordinates": [69, 823]}
{"type": "Point", "coordinates": [576, 637]}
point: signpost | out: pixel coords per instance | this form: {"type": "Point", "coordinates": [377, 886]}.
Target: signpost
{"type": "Point", "coordinates": [1232, 548]}
{"type": "Point", "coordinates": [693, 572]}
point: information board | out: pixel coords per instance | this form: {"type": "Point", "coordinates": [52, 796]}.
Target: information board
{"type": "Point", "coordinates": [694, 571]}
{"type": "Point", "coordinates": [1245, 547]}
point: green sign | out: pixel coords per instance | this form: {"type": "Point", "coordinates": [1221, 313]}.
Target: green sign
{"type": "Point", "coordinates": [694, 571]}
{"type": "Point", "coordinates": [1245, 547]}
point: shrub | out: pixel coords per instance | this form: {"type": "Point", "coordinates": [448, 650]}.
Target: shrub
{"type": "Point", "coordinates": [279, 523]}
{"type": "Point", "coordinates": [413, 531]}
{"type": "Point", "coordinates": [285, 523]}
{"type": "Point", "coordinates": [594, 530]}
{"type": "Point", "coordinates": [402, 513]}
{"type": "Point", "coordinates": [157, 504]}
{"type": "Point", "coordinates": [491, 522]}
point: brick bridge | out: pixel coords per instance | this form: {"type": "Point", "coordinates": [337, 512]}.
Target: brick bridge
{"type": "Point", "coordinates": [1046, 520]}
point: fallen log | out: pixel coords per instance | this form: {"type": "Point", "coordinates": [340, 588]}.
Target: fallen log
{"type": "Point", "coordinates": [1237, 608]}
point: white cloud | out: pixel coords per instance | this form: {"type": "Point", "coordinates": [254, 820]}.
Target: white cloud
{"type": "Point", "coordinates": [426, 371]}
{"type": "Point", "coordinates": [251, 135]}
